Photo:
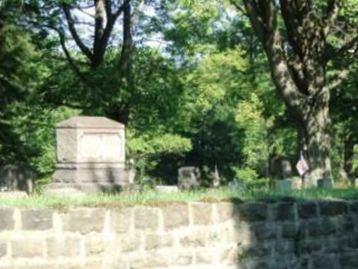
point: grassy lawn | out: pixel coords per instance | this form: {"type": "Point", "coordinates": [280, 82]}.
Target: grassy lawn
{"type": "Point", "coordinates": [155, 198]}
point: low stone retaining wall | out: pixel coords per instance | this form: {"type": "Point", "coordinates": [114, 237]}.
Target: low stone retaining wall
{"type": "Point", "coordinates": [224, 235]}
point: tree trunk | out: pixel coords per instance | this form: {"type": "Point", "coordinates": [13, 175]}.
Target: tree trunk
{"type": "Point", "coordinates": [316, 143]}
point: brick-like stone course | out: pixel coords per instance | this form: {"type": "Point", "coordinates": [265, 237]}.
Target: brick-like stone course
{"type": "Point", "coordinates": [277, 235]}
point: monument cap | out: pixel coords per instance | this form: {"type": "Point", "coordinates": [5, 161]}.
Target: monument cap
{"type": "Point", "coordinates": [90, 122]}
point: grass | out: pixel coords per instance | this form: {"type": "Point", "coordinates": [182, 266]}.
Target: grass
{"type": "Point", "coordinates": [155, 198]}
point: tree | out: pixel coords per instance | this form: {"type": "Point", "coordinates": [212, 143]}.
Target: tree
{"type": "Point", "coordinates": [295, 36]}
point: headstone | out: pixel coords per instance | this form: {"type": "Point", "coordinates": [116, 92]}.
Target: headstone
{"type": "Point", "coordinates": [325, 183]}
{"type": "Point", "coordinates": [166, 188]}
{"type": "Point", "coordinates": [288, 184]}
{"type": "Point", "coordinates": [188, 177]}
{"type": "Point", "coordinates": [281, 167]}
{"type": "Point", "coordinates": [90, 155]}
{"type": "Point", "coordinates": [17, 177]}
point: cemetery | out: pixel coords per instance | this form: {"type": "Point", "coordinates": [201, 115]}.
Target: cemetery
{"type": "Point", "coordinates": [182, 134]}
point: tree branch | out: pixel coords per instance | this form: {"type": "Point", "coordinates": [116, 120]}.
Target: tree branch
{"type": "Point", "coordinates": [86, 51]}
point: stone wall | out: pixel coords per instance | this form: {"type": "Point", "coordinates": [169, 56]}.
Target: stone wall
{"type": "Point", "coordinates": [223, 235]}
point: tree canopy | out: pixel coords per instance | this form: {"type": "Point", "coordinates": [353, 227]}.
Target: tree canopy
{"type": "Point", "coordinates": [222, 84]}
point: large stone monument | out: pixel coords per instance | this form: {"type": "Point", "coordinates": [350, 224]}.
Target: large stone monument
{"type": "Point", "coordinates": [90, 155]}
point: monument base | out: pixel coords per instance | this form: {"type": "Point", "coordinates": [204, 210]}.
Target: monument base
{"type": "Point", "coordinates": [87, 179]}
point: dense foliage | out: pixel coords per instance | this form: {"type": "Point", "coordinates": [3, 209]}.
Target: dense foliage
{"type": "Point", "coordinates": [188, 78]}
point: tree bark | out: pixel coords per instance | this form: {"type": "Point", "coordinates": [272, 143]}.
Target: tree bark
{"type": "Point", "coordinates": [298, 74]}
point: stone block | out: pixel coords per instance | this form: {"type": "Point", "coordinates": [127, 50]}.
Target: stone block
{"type": "Point", "coordinates": [283, 247]}
{"type": "Point", "coordinates": [194, 239]}
{"type": "Point", "coordinates": [309, 246]}
{"type": "Point", "coordinates": [68, 246]}
{"type": "Point", "coordinates": [325, 261]}
{"type": "Point", "coordinates": [156, 241]}
{"type": "Point", "coordinates": [36, 219]}
{"type": "Point", "coordinates": [307, 210]}
{"type": "Point", "coordinates": [333, 208]}
{"type": "Point", "coordinates": [202, 213]}
{"type": "Point", "coordinates": [285, 211]}
{"type": "Point", "coordinates": [130, 242]}
{"type": "Point", "coordinates": [349, 260]}
{"type": "Point", "coordinates": [94, 245]}
{"type": "Point", "coordinates": [353, 207]}
{"type": "Point", "coordinates": [152, 260]}
{"type": "Point", "coordinates": [175, 216]}
{"type": "Point", "coordinates": [227, 211]}
{"type": "Point", "coordinates": [256, 250]}
{"type": "Point", "coordinates": [3, 247]}
{"type": "Point", "coordinates": [264, 232]}
{"type": "Point", "coordinates": [183, 258]}
{"type": "Point", "coordinates": [27, 248]}
{"type": "Point", "coordinates": [122, 220]}
{"type": "Point", "coordinates": [289, 230]}
{"type": "Point", "coordinates": [84, 220]}
{"type": "Point", "coordinates": [146, 218]}
{"type": "Point", "coordinates": [204, 256]}
{"type": "Point", "coordinates": [253, 211]}
{"type": "Point", "coordinates": [6, 216]}
{"type": "Point", "coordinates": [328, 226]}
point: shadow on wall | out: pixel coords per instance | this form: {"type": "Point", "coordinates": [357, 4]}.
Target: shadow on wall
{"type": "Point", "coordinates": [292, 234]}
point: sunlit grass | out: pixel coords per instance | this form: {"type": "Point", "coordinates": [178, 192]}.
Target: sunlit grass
{"type": "Point", "coordinates": [154, 198]}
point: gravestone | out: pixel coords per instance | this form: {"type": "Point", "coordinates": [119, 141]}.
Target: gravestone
{"type": "Point", "coordinates": [281, 167]}
{"type": "Point", "coordinates": [16, 177]}
{"type": "Point", "coordinates": [188, 177]}
{"type": "Point", "coordinates": [90, 155]}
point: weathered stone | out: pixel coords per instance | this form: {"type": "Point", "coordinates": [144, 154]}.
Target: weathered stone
{"type": "Point", "coordinates": [175, 216]}
{"type": "Point", "coordinates": [226, 211]}
{"type": "Point", "coordinates": [195, 239]}
{"type": "Point", "coordinates": [314, 227]}
{"type": "Point", "coordinates": [26, 248]}
{"type": "Point", "coordinates": [284, 247]}
{"type": "Point", "coordinates": [333, 208]}
{"type": "Point", "coordinates": [130, 242]}
{"type": "Point", "coordinates": [253, 211]}
{"type": "Point", "coordinates": [121, 219]}
{"type": "Point", "coordinates": [353, 207]}
{"type": "Point", "coordinates": [289, 230]}
{"type": "Point", "coordinates": [202, 213]}
{"type": "Point", "coordinates": [146, 218]}
{"type": "Point", "coordinates": [264, 232]}
{"type": "Point", "coordinates": [153, 260]}
{"type": "Point", "coordinates": [308, 246]}
{"type": "Point", "coordinates": [188, 177]}
{"type": "Point", "coordinates": [3, 248]}
{"type": "Point", "coordinates": [349, 260]}
{"type": "Point", "coordinates": [183, 258]}
{"type": "Point", "coordinates": [16, 177]}
{"type": "Point", "coordinates": [6, 217]}
{"type": "Point", "coordinates": [156, 241]}
{"type": "Point", "coordinates": [68, 246]}
{"type": "Point", "coordinates": [229, 257]}
{"type": "Point", "coordinates": [84, 220]}
{"type": "Point", "coordinates": [325, 261]}
{"type": "Point", "coordinates": [37, 219]}
{"type": "Point", "coordinates": [204, 257]}
{"type": "Point", "coordinates": [328, 226]}
{"type": "Point", "coordinates": [256, 250]}
{"type": "Point", "coordinates": [90, 154]}
{"type": "Point", "coordinates": [285, 211]}
{"type": "Point", "coordinates": [94, 245]}
{"type": "Point", "coordinates": [307, 210]}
